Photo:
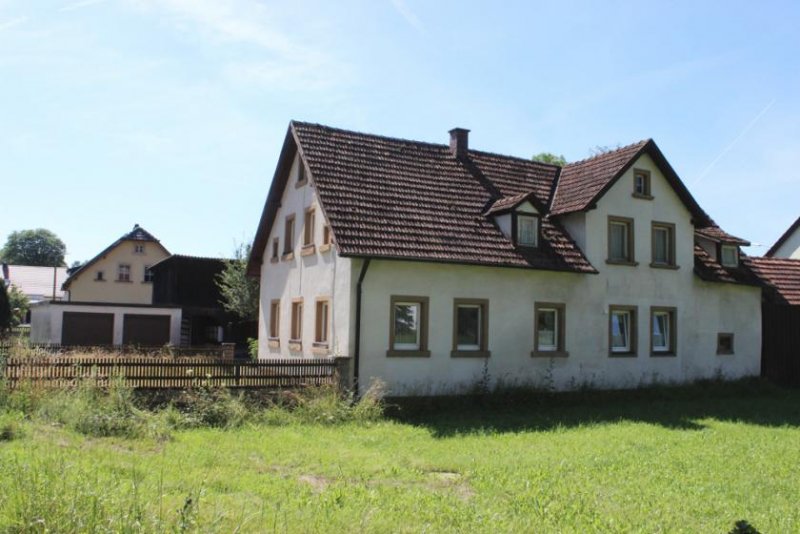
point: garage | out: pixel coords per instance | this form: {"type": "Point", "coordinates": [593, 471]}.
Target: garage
{"type": "Point", "coordinates": [145, 330]}
{"type": "Point", "coordinates": [87, 329]}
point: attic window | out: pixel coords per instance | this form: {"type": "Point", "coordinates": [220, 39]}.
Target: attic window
{"type": "Point", "coordinates": [641, 184]}
{"type": "Point", "coordinates": [729, 255]}
{"type": "Point", "coordinates": [527, 230]}
{"type": "Point", "coordinates": [301, 173]}
{"type": "Point", "coordinates": [138, 248]}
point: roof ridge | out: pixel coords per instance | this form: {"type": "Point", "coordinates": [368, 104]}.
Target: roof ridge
{"type": "Point", "coordinates": [639, 143]}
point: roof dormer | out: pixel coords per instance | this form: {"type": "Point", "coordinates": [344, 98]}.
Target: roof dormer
{"type": "Point", "coordinates": [518, 219]}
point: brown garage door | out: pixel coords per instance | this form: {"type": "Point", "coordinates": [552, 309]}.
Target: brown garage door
{"type": "Point", "coordinates": [87, 329]}
{"type": "Point", "coordinates": [145, 330]}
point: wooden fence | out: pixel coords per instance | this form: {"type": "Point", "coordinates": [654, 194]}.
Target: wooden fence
{"type": "Point", "coordinates": [171, 373]}
{"type": "Point", "coordinates": [780, 344]}
{"type": "Point", "coordinates": [8, 348]}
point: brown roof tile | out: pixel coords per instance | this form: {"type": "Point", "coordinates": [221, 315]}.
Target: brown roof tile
{"type": "Point", "coordinates": [712, 271]}
{"type": "Point", "coordinates": [783, 275]}
{"type": "Point", "coordinates": [401, 199]}
{"type": "Point", "coordinates": [715, 233]}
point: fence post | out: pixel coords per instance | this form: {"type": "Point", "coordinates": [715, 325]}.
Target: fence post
{"type": "Point", "coordinates": [228, 350]}
{"type": "Point", "coordinates": [344, 373]}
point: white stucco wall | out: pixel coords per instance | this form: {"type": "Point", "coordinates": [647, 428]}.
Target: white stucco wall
{"type": "Point", "coordinates": [703, 310]}
{"type": "Point", "coordinates": [47, 320]}
{"type": "Point", "coordinates": [321, 274]}
{"type": "Point", "coordinates": [790, 248]}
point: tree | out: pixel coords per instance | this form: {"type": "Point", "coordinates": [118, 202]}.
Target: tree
{"type": "Point", "coordinates": [549, 157]}
{"type": "Point", "coordinates": [5, 310]}
{"type": "Point", "coordinates": [19, 304]}
{"type": "Point", "coordinates": [240, 293]}
{"type": "Point", "coordinates": [38, 247]}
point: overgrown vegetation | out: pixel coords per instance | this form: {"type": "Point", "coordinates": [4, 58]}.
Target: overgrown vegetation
{"type": "Point", "coordinates": [708, 458]}
{"type": "Point", "coordinates": [240, 293]}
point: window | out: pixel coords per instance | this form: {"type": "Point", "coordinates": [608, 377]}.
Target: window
{"type": "Point", "coordinates": [663, 330]}
{"type": "Point", "coordinates": [408, 331]}
{"type": "Point", "coordinates": [663, 245]}
{"type": "Point", "coordinates": [729, 255]}
{"type": "Point", "coordinates": [322, 327]}
{"type": "Point", "coordinates": [470, 327]}
{"type": "Point", "coordinates": [275, 319]}
{"type": "Point", "coordinates": [308, 228]}
{"type": "Point", "coordinates": [288, 235]}
{"type": "Point", "coordinates": [641, 184]}
{"type": "Point", "coordinates": [620, 240]}
{"type": "Point", "coordinates": [527, 232]}
{"type": "Point", "coordinates": [124, 272]}
{"type": "Point", "coordinates": [622, 330]}
{"type": "Point", "coordinates": [275, 249]}
{"type": "Point", "coordinates": [301, 173]}
{"type": "Point", "coordinates": [548, 329]}
{"type": "Point", "coordinates": [148, 274]}
{"type": "Point", "coordinates": [725, 343]}
{"type": "Point", "coordinates": [326, 234]}
{"type": "Point", "coordinates": [296, 334]}
{"type": "Point", "coordinates": [100, 276]}
{"type": "Point", "coordinates": [138, 248]}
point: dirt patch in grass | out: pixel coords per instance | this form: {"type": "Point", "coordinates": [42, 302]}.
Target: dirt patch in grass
{"type": "Point", "coordinates": [316, 482]}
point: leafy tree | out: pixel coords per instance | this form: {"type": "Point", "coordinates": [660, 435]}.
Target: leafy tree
{"type": "Point", "coordinates": [5, 310]}
{"type": "Point", "coordinates": [74, 267]}
{"type": "Point", "coordinates": [549, 157]}
{"type": "Point", "coordinates": [38, 247]}
{"type": "Point", "coordinates": [240, 293]}
{"type": "Point", "coordinates": [19, 304]}
{"type": "Point", "coordinates": [603, 149]}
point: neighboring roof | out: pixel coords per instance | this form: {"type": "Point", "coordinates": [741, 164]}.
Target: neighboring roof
{"type": "Point", "coordinates": [782, 239]}
{"type": "Point", "coordinates": [504, 204]}
{"type": "Point", "coordinates": [718, 235]}
{"type": "Point", "coordinates": [187, 259]}
{"type": "Point", "coordinates": [399, 199]}
{"type": "Point", "coordinates": [137, 234]}
{"type": "Point", "coordinates": [41, 282]}
{"type": "Point", "coordinates": [710, 270]}
{"type": "Point", "coordinates": [782, 274]}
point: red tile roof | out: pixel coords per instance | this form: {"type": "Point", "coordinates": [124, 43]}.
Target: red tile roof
{"type": "Point", "coordinates": [712, 271]}
{"type": "Point", "coordinates": [782, 239]}
{"type": "Point", "coordinates": [782, 274]}
{"type": "Point", "coordinates": [583, 181]}
{"type": "Point", "coordinates": [715, 233]}
{"type": "Point", "coordinates": [392, 198]}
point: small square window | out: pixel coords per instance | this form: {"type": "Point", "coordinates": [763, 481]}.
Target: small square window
{"type": "Point", "coordinates": [470, 327]}
{"type": "Point", "coordinates": [620, 240]}
{"type": "Point", "coordinates": [100, 277]}
{"type": "Point", "coordinates": [725, 343]}
{"type": "Point", "coordinates": [527, 234]}
{"type": "Point", "coordinates": [408, 334]}
{"type": "Point", "coordinates": [641, 184]}
{"type": "Point", "coordinates": [729, 255]}
{"type": "Point", "coordinates": [622, 330]}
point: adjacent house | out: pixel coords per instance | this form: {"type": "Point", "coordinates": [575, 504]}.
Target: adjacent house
{"type": "Point", "coordinates": [37, 283]}
{"type": "Point", "coordinates": [787, 245]}
{"type": "Point", "coordinates": [121, 273]}
{"type": "Point", "coordinates": [437, 267]}
{"type": "Point", "coordinates": [109, 300]}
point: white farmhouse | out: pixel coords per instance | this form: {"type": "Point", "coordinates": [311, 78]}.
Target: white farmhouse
{"type": "Point", "coordinates": [788, 245]}
{"type": "Point", "coordinates": [438, 267]}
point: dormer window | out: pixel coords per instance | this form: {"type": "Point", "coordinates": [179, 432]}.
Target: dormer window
{"type": "Point", "coordinates": [641, 184]}
{"type": "Point", "coordinates": [527, 230]}
{"type": "Point", "coordinates": [729, 255]}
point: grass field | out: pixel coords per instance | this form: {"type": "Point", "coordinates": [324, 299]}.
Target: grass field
{"type": "Point", "coordinates": [671, 460]}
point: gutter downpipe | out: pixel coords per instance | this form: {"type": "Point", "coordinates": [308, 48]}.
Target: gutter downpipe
{"type": "Point", "coordinates": [357, 348]}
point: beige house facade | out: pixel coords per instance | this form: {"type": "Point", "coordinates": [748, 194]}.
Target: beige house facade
{"type": "Point", "coordinates": [438, 269]}
{"type": "Point", "coordinates": [120, 274]}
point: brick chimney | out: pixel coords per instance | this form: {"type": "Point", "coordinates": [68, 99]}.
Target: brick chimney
{"type": "Point", "coordinates": [459, 142]}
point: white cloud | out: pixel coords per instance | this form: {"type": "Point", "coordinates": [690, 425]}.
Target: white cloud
{"type": "Point", "coordinates": [409, 16]}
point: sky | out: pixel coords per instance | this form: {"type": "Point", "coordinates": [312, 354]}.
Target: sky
{"type": "Point", "coordinates": [171, 113]}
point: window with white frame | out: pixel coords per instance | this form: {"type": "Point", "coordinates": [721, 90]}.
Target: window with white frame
{"type": "Point", "coordinates": [620, 240]}
{"type": "Point", "coordinates": [148, 274]}
{"type": "Point", "coordinates": [663, 329]}
{"type": "Point", "coordinates": [622, 330]}
{"type": "Point", "coordinates": [527, 230]}
{"type": "Point", "coordinates": [407, 325]}
{"type": "Point", "coordinates": [123, 272]}
{"type": "Point", "coordinates": [547, 329]}
{"type": "Point", "coordinates": [730, 255]}
{"type": "Point", "coordinates": [322, 326]}
{"type": "Point", "coordinates": [470, 327]}
{"type": "Point", "coordinates": [663, 244]}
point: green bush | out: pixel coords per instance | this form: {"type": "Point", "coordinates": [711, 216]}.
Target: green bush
{"type": "Point", "coordinates": [10, 425]}
{"type": "Point", "coordinates": [210, 406]}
